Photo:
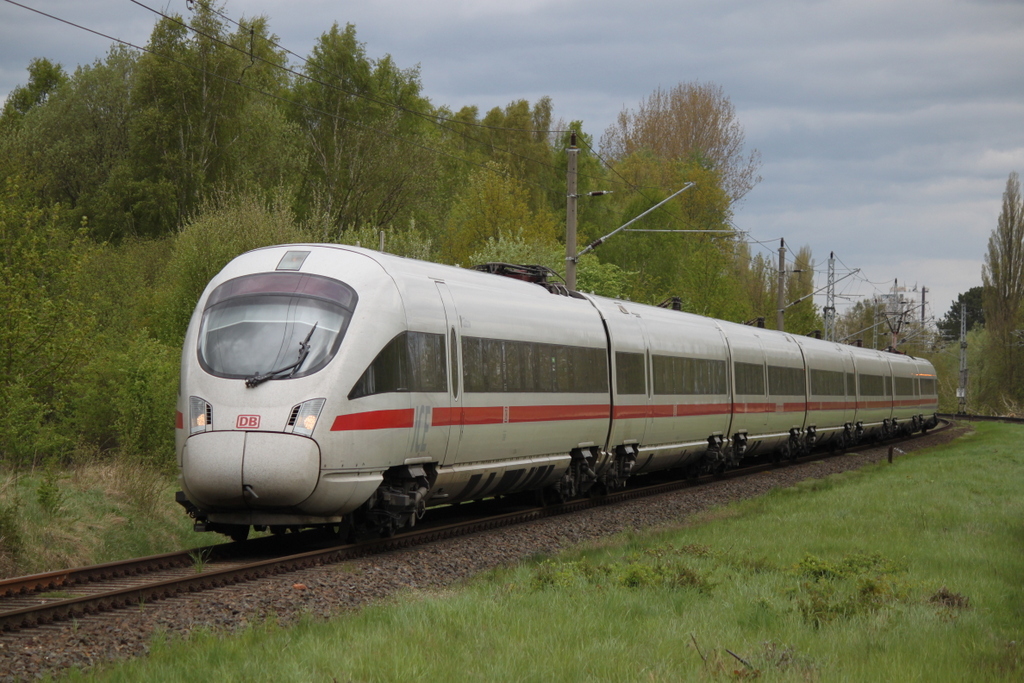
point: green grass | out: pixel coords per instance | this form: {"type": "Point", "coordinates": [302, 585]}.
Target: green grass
{"type": "Point", "coordinates": [904, 572]}
{"type": "Point", "coordinates": [52, 519]}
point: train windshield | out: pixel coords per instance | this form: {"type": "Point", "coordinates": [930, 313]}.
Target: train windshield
{"type": "Point", "coordinates": [274, 326]}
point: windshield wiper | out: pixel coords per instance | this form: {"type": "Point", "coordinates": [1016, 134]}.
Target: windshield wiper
{"type": "Point", "coordinates": [258, 379]}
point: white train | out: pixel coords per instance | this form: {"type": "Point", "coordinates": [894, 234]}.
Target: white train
{"type": "Point", "coordinates": [326, 385]}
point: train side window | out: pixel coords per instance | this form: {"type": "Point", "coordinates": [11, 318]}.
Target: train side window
{"type": "Point", "coordinates": [783, 381]}
{"type": "Point", "coordinates": [472, 364]}
{"type": "Point", "coordinates": [712, 373]}
{"type": "Point", "coordinates": [493, 358]}
{"type": "Point", "coordinates": [663, 375]}
{"type": "Point", "coordinates": [872, 385]}
{"type": "Point", "coordinates": [904, 386]}
{"type": "Point", "coordinates": [528, 359]}
{"type": "Point", "coordinates": [411, 361]}
{"type": "Point", "coordinates": [827, 383]}
{"type": "Point", "coordinates": [851, 384]}
{"type": "Point", "coordinates": [562, 368]}
{"type": "Point", "coordinates": [426, 362]}
{"type": "Point", "coordinates": [514, 376]}
{"type": "Point", "coordinates": [681, 375]}
{"type": "Point", "coordinates": [629, 373]}
{"type": "Point", "coordinates": [749, 378]}
{"type": "Point", "coordinates": [545, 374]}
{"type": "Point", "coordinates": [497, 365]}
{"type": "Point", "coordinates": [590, 373]}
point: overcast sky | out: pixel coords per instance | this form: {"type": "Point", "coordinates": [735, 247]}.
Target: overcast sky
{"type": "Point", "coordinates": [887, 130]}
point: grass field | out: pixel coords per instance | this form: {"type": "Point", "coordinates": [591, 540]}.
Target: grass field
{"type": "Point", "coordinates": [903, 572]}
{"type": "Point", "coordinates": [93, 513]}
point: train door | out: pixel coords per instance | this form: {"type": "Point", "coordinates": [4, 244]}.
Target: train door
{"type": "Point", "coordinates": [451, 419]}
{"type": "Point", "coordinates": [648, 428]}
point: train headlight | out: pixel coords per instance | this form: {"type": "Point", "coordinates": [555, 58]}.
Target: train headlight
{"type": "Point", "coordinates": [305, 415]}
{"type": "Point", "coordinates": [200, 415]}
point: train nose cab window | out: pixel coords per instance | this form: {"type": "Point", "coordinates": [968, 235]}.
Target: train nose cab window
{"type": "Point", "coordinates": [264, 324]}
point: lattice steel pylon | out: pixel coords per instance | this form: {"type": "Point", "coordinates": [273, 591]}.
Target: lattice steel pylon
{"type": "Point", "coordinates": [830, 299]}
{"type": "Point", "coordinates": [961, 390]}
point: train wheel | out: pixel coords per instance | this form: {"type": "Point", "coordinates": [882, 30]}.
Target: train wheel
{"type": "Point", "coordinates": [387, 529]}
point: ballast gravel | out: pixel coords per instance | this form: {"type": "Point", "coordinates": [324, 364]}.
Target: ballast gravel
{"type": "Point", "coordinates": [329, 590]}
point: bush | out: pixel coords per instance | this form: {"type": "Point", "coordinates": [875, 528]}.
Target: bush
{"type": "Point", "coordinates": [126, 400]}
{"type": "Point", "coordinates": [30, 428]}
{"type": "Point", "coordinates": [46, 330]}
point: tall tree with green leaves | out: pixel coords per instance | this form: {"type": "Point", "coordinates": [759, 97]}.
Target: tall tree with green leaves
{"type": "Point", "coordinates": [69, 149]}
{"type": "Point", "coordinates": [203, 116]}
{"type": "Point", "coordinates": [1003, 280]}
{"type": "Point", "coordinates": [44, 78]}
{"type": "Point", "coordinates": [802, 315]}
{"type": "Point", "coordinates": [493, 204]}
{"type": "Point", "coordinates": [364, 125]}
{"type": "Point", "coordinates": [519, 138]}
{"type": "Point", "coordinates": [973, 300]}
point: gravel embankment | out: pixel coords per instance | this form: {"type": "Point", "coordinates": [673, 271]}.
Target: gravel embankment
{"type": "Point", "coordinates": [332, 589]}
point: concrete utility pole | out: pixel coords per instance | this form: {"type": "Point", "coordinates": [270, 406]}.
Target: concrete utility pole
{"type": "Point", "coordinates": [961, 391]}
{"type": "Point", "coordinates": [570, 215]}
{"type": "Point", "coordinates": [830, 299]}
{"type": "Point", "coordinates": [782, 285]}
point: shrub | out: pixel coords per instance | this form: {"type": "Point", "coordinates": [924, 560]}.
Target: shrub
{"type": "Point", "coordinates": [126, 399]}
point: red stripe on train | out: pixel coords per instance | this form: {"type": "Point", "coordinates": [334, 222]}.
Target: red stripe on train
{"type": "Point", "coordinates": [443, 417]}
{"type": "Point", "coordinates": [375, 419]}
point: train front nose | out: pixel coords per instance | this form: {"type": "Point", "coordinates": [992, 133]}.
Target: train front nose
{"type": "Point", "coordinates": [249, 469]}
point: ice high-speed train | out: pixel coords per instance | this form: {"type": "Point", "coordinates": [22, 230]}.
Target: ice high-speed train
{"type": "Point", "coordinates": [326, 385]}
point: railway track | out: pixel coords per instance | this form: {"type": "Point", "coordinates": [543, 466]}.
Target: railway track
{"type": "Point", "coordinates": [31, 601]}
{"type": "Point", "coordinates": [981, 418]}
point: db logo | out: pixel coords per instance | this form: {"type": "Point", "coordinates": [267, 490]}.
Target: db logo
{"type": "Point", "coordinates": [248, 422]}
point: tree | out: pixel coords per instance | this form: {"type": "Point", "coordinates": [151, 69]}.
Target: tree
{"type": "Point", "coordinates": [519, 140]}
{"type": "Point", "coordinates": [493, 204]}
{"type": "Point", "coordinates": [692, 121]}
{"type": "Point", "coordinates": [757, 277]}
{"type": "Point", "coordinates": [45, 332]}
{"type": "Point", "coordinates": [363, 122]}
{"type": "Point", "coordinates": [1003, 280]}
{"type": "Point", "coordinates": [44, 78]}
{"type": "Point", "coordinates": [803, 317]}
{"type": "Point", "coordinates": [973, 299]}
{"type": "Point", "coordinates": [698, 267]}
{"type": "Point", "coordinates": [68, 148]}
{"type": "Point", "coordinates": [859, 323]}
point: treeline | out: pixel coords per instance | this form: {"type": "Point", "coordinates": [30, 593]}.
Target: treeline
{"type": "Point", "coordinates": [129, 182]}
